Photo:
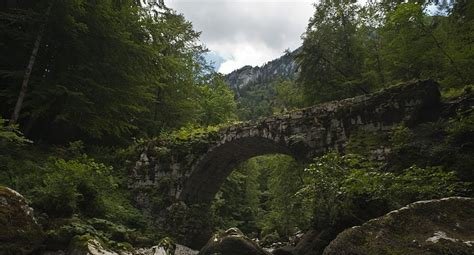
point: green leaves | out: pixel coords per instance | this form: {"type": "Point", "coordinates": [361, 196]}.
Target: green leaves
{"type": "Point", "coordinates": [289, 96]}
{"type": "Point", "coordinates": [338, 186]}
{"type": "Point", "coordinates": [259, 197]}
{"type": "Point", "coordinates": [110, 70]}
{"type": "Point", "coordinates": [216, 102]}
{"type": "Point", "coordinates": [350, 48]}
{"type": "Point", "coordinates": [332, 54]}
{"type": "Point", "coordinates": [74, 186]}
{"type": "Point", "coordinates": [10, 135]}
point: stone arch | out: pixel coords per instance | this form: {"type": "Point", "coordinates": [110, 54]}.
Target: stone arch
{"type": "Point", "coordinates": [192, 170]}
{"type": "Point", "coordinates": [211, 171]}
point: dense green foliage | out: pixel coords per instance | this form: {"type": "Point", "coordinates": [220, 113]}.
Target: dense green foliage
{"type": "Point", "coordinates": [348, 190]}
{"type": "Point", "coordinates": [259, 198]}
{"type": "Point", "coordinates": [63, 183]}
{"type": "Point", "coordinates": [265, 99]}
{"type": "Point", "coordinates": [216, 101]}
{"type": "Point", "coordinates": [107, 73]}
{"type": "Point", "coordinates": [351, 49]}
{"type": "Point", "coordinates": [237, 203]}
{"type": "Point", "coordinates": [107, 70]}
{"type": "Point", "coordinates": [331, 59]}
{"type": "Point", "coordinates": [9, 135]}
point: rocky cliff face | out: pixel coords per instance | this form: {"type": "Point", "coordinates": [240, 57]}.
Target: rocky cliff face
{"type": "Point", "coordinates": [284, 67]}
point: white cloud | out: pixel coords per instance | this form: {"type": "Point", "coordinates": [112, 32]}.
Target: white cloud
{"type": "Point", "coordinates": [247, 32]}
{"type": "Point", "coordinates": [241, 54]}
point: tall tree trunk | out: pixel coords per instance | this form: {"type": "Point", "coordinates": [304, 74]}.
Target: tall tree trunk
{"type": "Point", "coordinates": [29, 68]}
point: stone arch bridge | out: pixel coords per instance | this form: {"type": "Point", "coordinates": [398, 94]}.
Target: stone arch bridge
{"type": "Point", "coordinates": [191, 169]}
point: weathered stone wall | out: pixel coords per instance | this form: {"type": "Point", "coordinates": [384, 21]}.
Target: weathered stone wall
{"type": "Point", "coordinates": [192, 169]}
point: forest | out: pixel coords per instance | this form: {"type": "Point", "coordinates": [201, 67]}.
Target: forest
{"type": "Point", "coordinates": [86, 84]}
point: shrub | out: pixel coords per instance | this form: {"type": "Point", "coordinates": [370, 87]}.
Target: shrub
{"type": "Point", "coordinates": [74, 186]}
{"type": "Point", "coordinates": [347, 190]}
{"type": "Point", "coordinates": [10, 135]}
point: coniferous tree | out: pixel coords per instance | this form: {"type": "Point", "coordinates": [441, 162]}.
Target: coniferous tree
{"type": "Point", "coordinates": [108, 69]}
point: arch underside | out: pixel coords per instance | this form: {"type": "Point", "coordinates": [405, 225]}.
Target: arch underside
{"type": "Point", "coordinates": [211, 172]}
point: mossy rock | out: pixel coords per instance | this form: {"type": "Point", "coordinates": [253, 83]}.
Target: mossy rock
{"type": "Point", "coordinates": [434, 227]}
{"type": "Point", "coordinates": [88, 245]}
{"type": "Point", "coordinates": [111, 234]}
{"type": "Point", "coordinates": [168, 245]}
{"type": "Point", "coordinates": [61, 235]}
{"type": "Point", "coordinates": [232, 242]}
{"type": "Point", "coordinates": [91, 245]}
{"type": "Point", "coordinates": [19, 231]}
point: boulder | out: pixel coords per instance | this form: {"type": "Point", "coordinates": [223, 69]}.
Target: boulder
{"type": "Point", "coordinates": [314, 241]}
{"type": "Point", "coordinates": [287, 250]}
{"type": "Point", "coordinates": [183, 250]}
{"type": "Point", "coordinates": [443, 226]}
{"type": "Point", "coordinates": [232, 242]}
{"type": "Point", "coordinates": [86, 245]}
{"type": "Point", "coordinates": [19, 231]}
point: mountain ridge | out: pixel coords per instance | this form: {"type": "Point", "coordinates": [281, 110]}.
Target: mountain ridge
{"type": "Point", "coordinates": [284, 67]}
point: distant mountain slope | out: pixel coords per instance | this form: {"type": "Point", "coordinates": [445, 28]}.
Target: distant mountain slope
{"type": "Point", "coordinates": [255, 87]}
{"type": "Point", "coordinates": [284, 67]}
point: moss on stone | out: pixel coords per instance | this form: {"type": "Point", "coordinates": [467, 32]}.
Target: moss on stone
{"type": "Point", "coordinates": [81, 242]}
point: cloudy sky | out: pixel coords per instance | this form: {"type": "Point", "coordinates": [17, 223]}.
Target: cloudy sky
{"type": "Point", "coordinates": [246, 32]}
